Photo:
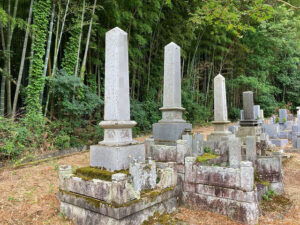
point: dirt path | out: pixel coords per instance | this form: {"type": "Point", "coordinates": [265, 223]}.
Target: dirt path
{"type": "Point", "coordinates": [28, 195]}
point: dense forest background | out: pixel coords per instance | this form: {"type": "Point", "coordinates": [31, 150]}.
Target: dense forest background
{"type": "Point", "coordinates": [52, 63]}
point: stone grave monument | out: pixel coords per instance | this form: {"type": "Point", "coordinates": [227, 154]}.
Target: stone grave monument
{"type": "Point", "coordinates": [249, 126]}
{"type": "Point", "coordinates": [221, 121]}
{"type": "Point", "coordinates": [118, 148]}
{"type": "Point", "coordinates": [171, 127]}
{"type": "Point", "coordinates": [119, 186]}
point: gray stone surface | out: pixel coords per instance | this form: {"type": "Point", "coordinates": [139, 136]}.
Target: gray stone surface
{"type": "Point", "coordinates": [272, 130]}
{"type": "Point", "coordinates": [117, 125]}
{"type": "Point", "coordinates": [257, 113]}
{"type": "Point", "coordinates": [172, 110]}
{"type": "Point", "coordinates": [182, 151]}
{"type": "Point", "coordinates": [220, 122]}
{"type": "Point", "coordinates": [198, 144]}
{"type": "Point", "coordinates": [84, 215]}
{"type": "Point", "coordinates": [250, 148]}
{"type": "Point", "coordinates": [172, 126]}
{"type": "Point", "coordinates": [282, 115]}
{"type": "Point", "coordinates": [244, 212]}
{"type": "Point", "coordinates": [220, 103]}
{"type": "Point", "coordinates": [169, 132]}
{"type": "Point", "coordinates": [248, 107]}
{"type": "Point", "coordinates": [143, 175]}
{"type": "Point", "coordinates": [116, 158]}
{"type": "Point", "coordinates": [279, 142]}
{"type": "Point", "coordinates": [242, 115]}
{"type": "Point", "coordinates": [235, 154]}
{"type": "Point", "coordinates": [164, 153]}
{"type": "Point", "coordinates": [247, 176]}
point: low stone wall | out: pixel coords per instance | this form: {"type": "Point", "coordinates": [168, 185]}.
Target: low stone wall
{"type": "Point", "coordinates": [222, 190]}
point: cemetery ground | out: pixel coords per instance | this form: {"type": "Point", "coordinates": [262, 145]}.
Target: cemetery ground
{"type": "Point", "coordinates": [28, 195]}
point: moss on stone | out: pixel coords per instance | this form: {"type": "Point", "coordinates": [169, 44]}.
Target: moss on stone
{"type": "Point", "coordinates": [89, 173]}
{"type": "Point", "coordinates": [150, 195]}
{"type": "Point", "coordinates": [206, 156]}
{"type": "Point", "coordinates": [258, 180]}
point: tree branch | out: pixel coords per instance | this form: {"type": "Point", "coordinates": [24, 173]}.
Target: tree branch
{"type": "Point", "coordinates": [288, 4]}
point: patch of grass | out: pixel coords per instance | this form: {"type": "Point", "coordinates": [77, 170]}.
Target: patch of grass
{"type": "Point", "coordinates": [277, 203]}
{"type": "Point", "coordinates": [205, 157]}
{"type": "Point", "coordinates": [90, 173]}
{"type": "Point", "coordinates": [163, 219]}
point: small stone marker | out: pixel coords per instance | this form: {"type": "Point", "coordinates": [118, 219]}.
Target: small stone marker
{"type": "Point", "coordinates": [257, 114]}
{"type": "Point", "coordinates": [235, 154]}
{"type": "Point", "coordinates": [242, 115]}
{"type": "Point", "coordinates": [250, 148]}
{"type": "Point", "coordinates": [118, 148]}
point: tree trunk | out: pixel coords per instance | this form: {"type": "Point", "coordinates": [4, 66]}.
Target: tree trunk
{"type": "Point", "coordinates": [87, 44]}
{"type": "Point", "coordinates": [80, 37]}
{"type": "Point", "coordinates": [22, 62]}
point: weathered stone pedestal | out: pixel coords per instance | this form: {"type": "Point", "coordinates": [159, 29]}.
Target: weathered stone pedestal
{"type": "Point", "coordinates": [116, 158]}
{"type": "Point", "coordinates": [165, 132]}
{"type": "Point", "coordinates": [220, 130]}
{"type": "Point", "coordinates": [116, 202]}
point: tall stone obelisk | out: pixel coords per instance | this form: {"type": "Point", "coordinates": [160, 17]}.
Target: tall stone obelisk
{"type": "Point", "coordinates": [118, 148]}
{"type": "Point", "coordinates": [220, 122]}
{"type": "Point", "coordinates": [171, 127]}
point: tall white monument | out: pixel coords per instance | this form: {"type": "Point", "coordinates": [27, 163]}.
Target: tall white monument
{"type": "Point", "coordinates": [171, 127]}
{"type": "Point", "coordinates": [220, 122]}
{"type": "Point", "coordinates": [118, 148]}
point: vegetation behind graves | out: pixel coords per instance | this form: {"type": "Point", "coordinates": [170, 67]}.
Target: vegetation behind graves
{"type": "Point", "coordinates": [52, 62]}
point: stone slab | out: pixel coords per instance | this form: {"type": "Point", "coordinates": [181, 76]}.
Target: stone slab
{"type": "Point", "coordinates": [279, 142]}
{"type": "Point", "coordinates": [117, 211]}
{"type": "Point", "coordinates": [244, 212]}
{"type": "Point", "coordinates": [82, 216]}
{"type": "Point", "coordinates": [116, 158]}
{"type": "Point", "coordinates": [169, 132]}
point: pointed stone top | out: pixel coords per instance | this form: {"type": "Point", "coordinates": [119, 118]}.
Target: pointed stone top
{"type": "Point", "coordinates": [116, 30]}
{"type": "Point", "coordinates": [172, 45]}
{"type": "Point", "coordinates": [219, 76]}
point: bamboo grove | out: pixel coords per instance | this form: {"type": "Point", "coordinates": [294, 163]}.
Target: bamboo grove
{"type": "Point", "coordinates": [52, 57]}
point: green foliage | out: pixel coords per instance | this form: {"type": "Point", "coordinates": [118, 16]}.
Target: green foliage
{"type": "Point", "coordinates": [62, 141]}
{"type": "Point", "coordinates": [41, 12]}
{"type": "Point", "coordinates": [73, 99]}
{"type": "Point", "coordinates": [207, 150]}
{"type": "Point", "coordinates": [234, 113]}
{"type": "Point", "coordinates": [269, 195]}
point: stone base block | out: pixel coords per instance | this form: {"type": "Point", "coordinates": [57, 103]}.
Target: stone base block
{"type": "Point", "coordinates": [285, 134]}
{"type": "Point", "coordinates": [245, 212]}
{"type": "Point", "coordinates": [169, 132]}
{"type": "Point", "coordinates": [277, 187]}
{"type": "Point", "coordinates": [279, 142]}
{"type": "Point", "coordinates": [86, 210]}
{"type": "Point", "coordinates": [83, 216]}
{"type": "Point", "coordinates": [249, 131]}
{"type": "Point", "coordinates": [116, 158]}
{"type": "Point", "coordinates": [218, 135]}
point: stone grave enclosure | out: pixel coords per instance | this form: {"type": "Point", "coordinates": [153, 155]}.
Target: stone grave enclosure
{"type": "Point", "coordinates": [127, 182]}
